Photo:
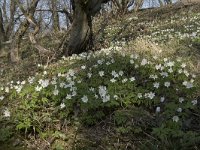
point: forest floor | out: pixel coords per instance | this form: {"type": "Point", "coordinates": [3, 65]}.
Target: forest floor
{"type": "Point", "coordinates": [169, 32]}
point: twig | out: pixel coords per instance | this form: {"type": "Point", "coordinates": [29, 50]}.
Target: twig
{"type": "Point", "coordinates": [196, 114]}
{"type": "Point", "coordinates": [150, 136]}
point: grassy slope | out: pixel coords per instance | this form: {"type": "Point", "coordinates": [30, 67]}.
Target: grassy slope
{"type": "Point", "coordinates": [123, 29]}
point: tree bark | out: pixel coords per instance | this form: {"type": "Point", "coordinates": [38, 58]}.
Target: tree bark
{"type": "Point", "coordinates": [2, 31]}
{"type": "Point", "coordinates": [4, 9]}
{"type": "Point", "coordinates": [7, 22]}
{"type": "Point", "coordinates": [55, 16]}
{"type": "Point", "coordinates": [30, 18]}
{"type": "Point", "coordinates": [11, 24]}
{"type": "Point", "coordinates": [15, 46]}
{"type": "Point", "coordinates": [81, 30]}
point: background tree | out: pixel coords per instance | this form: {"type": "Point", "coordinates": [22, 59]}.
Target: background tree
{"type": "Point", "coordinates": [138, 4]}
{"type": "Point", "coordinates": [7, 20]}
{"type": "Point", "coordinates": [2, 31]}
{"type": "Point", "coordinates": [15, 46]}
{"type": "Point", "coordinates": [55, 15]}
{"type": "Point", "coordinates": [122, 5]}
{"type": "Point", "coordinates": [160, 3]}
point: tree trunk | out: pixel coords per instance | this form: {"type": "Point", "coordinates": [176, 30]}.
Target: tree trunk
{"type": "Point", "coordinates": [4, 9]}
{"type": "Point", "coordinates": [2, 31]}
{"type": "Point", "coordinates": [55, 16]}
{"type": "Point", "coordinates": [32, 35]}
{"type": "Point", "coordinates": [15, 46]}
{"type": "Point", "coordinates": [80, 31]}
{"type": "Point", "coordinates": [11, 24]}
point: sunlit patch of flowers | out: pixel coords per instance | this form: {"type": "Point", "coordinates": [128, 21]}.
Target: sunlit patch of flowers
{"type": "Point", "coordinates": [179, 27]}
{"type": "Point", "coordinates": [166, 30]}
{"type": "Point", "coordinates": [97, 81]}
